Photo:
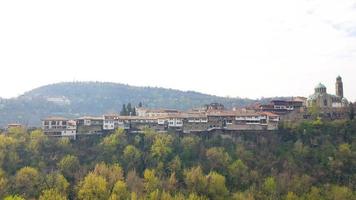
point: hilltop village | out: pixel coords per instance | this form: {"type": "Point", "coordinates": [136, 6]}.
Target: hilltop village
{"type": "Point", "coordinates": [210, 117]}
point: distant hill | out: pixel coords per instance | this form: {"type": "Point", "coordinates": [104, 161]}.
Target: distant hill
{"type": "Point", "coordinates": [73, 99]}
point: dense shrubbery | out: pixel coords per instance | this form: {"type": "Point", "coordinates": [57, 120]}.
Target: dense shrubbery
{"type": "Point", "coordinates": [311, 160]}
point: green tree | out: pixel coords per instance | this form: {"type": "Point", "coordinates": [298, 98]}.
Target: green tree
{"type": "Point", "coordinates": [216, 186]}
{"type": "Point", "coordinates": [344, 150]}
{"type": "Point", "coordinates": [243, 154]}
{"type": "Point", "coordinates": [27, 182]}
{"type": "Point", "coordinates": [133, 113]}
{"type": "Point", "coordinates": [38, 139]}
{"type": "Point", "coordinates": [300, 149]}
{"type": "Point", "coordinates": [120, 191]}
{"type": "Point", "coordinates": [194, 196]}
{"type": "Point", "coordinates": [314, 110]}
{"type": "Point", "coordinates": [190, 146]}
{"type": "Point", "coordinates": [3, 183]}
{"type": "Point", "coordinates": [341, 164]}
{"type": "Point", "coordinates": [93, 187]}
{"type": "Point", "coordinates": [129, 109]}
{"type": "Point", "coordinates": [238, 172]}
{"type": "Point", "coordinates": [19, 133]}
{"type": "Point", "coordinates": [151, 181]}
{"type": "Point", "coordinates": [111, 173]}
{"type": "Point", "coordinates": [9, 157]}
{"type": "Point", "coordinates": [171, 184]}
{"type": "Point", "coordinates": [52, 194]}
{"type": "Point", "coordinates": [195, 180]}
{"type": "Point", "coordinates": [123, 111]}
{"type": "Point", "coordinates": [270, 188]}
{"type": "Point", "coordinates": [166, 196]}
{"type": "Point", "coordinates": [313, 194]}
{"type": "Point", "coordinates": [134, 182]}
{"type": "Point", "coordinates": [154, 195]}
{"type": "Point", "coordinates": [69, 165]}
{"type": "Point", "coordinates": [56, 181]}
{"type": "Point", "coordinates": [340, 193]}
{"type": "Point", "coordinates": [292, 196]}
{"type": "Point", "coordinates": [179, 196]}
{"type": "Point", "coordinates": [161, 147]}
{"type": "Point", "coordinates": [300, 184]}
{"type": "Point", "coordinates": [38, 149]}
{"type": "Point", "coordinates": [14, 197]}
{"type": "Point", "coordinates": [175, 165]}
{"type": "Point", "coordinates": [113, 143]}
{"type": "Point", "coordinates": [134, 196]}
{"type": "Point", "coordinates": [218, 158]}
{"type": "Point", "coordinates": [243, 196]}
{"type": "Point", "coordinates": [132, 156]}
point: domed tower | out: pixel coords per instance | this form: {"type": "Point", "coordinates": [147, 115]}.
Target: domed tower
{"type": "Point", "coordinates": [339, 87]}
{"type": "Point", "coordinates": [320, 89]}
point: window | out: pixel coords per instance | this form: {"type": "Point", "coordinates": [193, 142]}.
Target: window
{"type": "Point", "coordinates": [325, 102]}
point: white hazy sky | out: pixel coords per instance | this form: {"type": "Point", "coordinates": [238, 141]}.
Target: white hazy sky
{"type": "Point", "coordinates": [253, 48]}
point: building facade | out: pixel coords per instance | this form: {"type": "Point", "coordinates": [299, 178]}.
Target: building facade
{"type": "Point", "coordinates": [323, 100]}
{"type": "Point", "coordinates": [282, 107]}
{"type": "Point", "coordinates": [90, 125]}
{"type": "Point", "coordinates": [185, 122]}
{"type": "Point", "coordinates": [59, 127]}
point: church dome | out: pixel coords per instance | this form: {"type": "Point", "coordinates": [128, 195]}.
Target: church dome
{"type": "Point", "coordinates": [320, 86]}
{"type": "Point", "coordinates": [320, 89]}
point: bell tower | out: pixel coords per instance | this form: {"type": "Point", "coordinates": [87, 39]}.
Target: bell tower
{"type": "Point", "coordinates": [339, 87]}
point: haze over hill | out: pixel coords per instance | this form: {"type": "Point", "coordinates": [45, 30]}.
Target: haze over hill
{"type": "Point", "coordinates": [73, 99]}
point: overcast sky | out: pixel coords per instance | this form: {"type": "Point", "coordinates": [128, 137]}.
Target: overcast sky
{"type": "Point", "coordinates": [253, 48]}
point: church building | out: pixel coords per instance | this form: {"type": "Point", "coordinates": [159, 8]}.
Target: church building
{"type": "Point", "coordinates": [322, 99]}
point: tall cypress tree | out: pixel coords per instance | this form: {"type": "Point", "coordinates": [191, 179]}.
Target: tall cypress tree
{"type": "Point", "coordinates": [129, 109]}
{"type": "Point", "coordinates": [123, 110]}
{"type": "Point", "coordinates": [133, 111]}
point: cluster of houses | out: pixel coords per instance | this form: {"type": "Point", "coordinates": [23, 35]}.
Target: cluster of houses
{"type": "Point", "coordinates": [210, 117]}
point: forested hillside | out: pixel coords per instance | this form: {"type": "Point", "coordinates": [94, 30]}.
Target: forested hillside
{"type": "Point", "coordinates": [307, 161]}
{"type": "Point", "coordinates": [75, 99]}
